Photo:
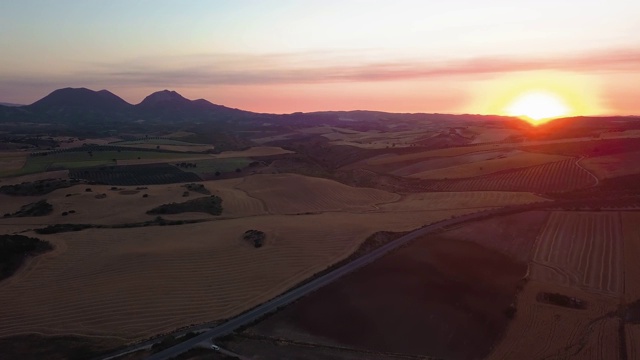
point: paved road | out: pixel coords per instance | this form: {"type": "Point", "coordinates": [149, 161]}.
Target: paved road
{"type": "Point", "coordinates": [292, 295]}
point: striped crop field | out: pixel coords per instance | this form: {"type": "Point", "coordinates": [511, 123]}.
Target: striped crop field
{"type": "Point", "coordinates": [583, 249]}
{"type": "Point", "coordinates": [557, 176]}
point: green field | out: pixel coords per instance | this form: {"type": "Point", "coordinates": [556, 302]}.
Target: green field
{"type": "Point", "coordinates": [73, 160]}
{"type": "Point", "coordinates": [222, 165]}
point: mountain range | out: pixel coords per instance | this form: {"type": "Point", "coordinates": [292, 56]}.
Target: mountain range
{"type": "Point", "coordinates": [82, 105]}
{"type": "Point", "coordinates": [102, 111]}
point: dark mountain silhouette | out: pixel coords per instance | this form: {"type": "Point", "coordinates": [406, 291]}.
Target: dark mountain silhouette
{"type": "Point", "coordinates": [169, 105]}
{"type": "Point", "coordinates": [10, 104]}
{"type": "Point", "coordinates": [81, 98]}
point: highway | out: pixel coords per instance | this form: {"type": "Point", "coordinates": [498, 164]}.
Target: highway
{"type": "Point", "coordinates": [294, 294]}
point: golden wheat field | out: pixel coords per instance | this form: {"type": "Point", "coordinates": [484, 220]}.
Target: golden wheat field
{"type": "Point", "coordinates": [510, 160]}
{"type": "Point", "coordinates": [133, 283]}
{"type": "Point", "coordinates": [460, 200]}
{"type": "Point", "coordinates": [545, 331]}
{"type": "Point", "coordinates": [292, 194]}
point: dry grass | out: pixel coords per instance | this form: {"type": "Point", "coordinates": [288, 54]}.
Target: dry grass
{"type": "Point", "coordinates": [292, 194]}
{"type": "Point", "coordinates": [507, 161]}
{"type": "Point", "coordinates": [613, 165]}
{"type": "Point", "coordinates": [138, 282]}
{"type": "Point", "coordinates": [460, 200]}
{"type": "Point", "coordinates": [544, 331]}
{"type": "Point", "coordinates": [631, 231]}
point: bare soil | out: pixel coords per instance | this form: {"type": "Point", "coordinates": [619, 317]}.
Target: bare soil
{"type": "Point", "coordinates": [436, 297]}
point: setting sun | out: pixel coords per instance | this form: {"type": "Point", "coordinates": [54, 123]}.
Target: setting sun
{"type": "Point", "coordinates": [538, 105]}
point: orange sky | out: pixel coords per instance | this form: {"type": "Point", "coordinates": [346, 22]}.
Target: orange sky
{"type": "Point", "coordinates": [284, 56]}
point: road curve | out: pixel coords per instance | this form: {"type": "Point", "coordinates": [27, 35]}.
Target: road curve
{"type": "Point", "coordinates": [294, 294]}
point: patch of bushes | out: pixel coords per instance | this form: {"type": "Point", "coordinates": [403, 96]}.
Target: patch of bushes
{"type": "Point", "coordinates": [210, 205]}
{"type": "Point", "coordinates": [58, 228]}
{"type": "Point", "coordinates": [15, 249]}
{"type": "Point", "coordinates": [561, 300]}
{"type": "Point", "coordinates": [255, 236]}
{"type": "Point", "coordinates": [40, 208]}
{"type": "Point", "coordinates": [36, 188]}
{"type": "Point", "coordinates": [199, 188]}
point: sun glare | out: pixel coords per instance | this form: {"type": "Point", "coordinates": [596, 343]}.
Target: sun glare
{"type": "Point", "coordinates": [538, 106]}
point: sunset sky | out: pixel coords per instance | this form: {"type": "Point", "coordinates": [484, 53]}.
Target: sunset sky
{"type": "Point", "coordinates": [457, 56]}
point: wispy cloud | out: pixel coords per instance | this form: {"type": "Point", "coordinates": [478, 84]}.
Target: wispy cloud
{"type": "Point", "coordinates": [239, 69]}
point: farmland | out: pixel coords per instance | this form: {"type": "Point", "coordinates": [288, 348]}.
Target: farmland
{"type": "Point", "coordinates": [79, 159]}
{"type": "Point", "coordinates": [119, 289]}
{"type": "Point", "coordinates": [511, 160]}
{"type": "Point", "coordinates": [611, 166]}
{"type": "Point", "coordinates": [147, 174]}
{"type": "Point", "coordinates": [542, 330]}
{"type": "Point", "coordinates": [631, 232]}
{"type": "Point", "coordinates": [310, 194]}
{"type": "Point", "coordinates": [428, 307]}
{"type": "Point", "coordinates": [581, 250]}
{"type": "Point", "coordinates": [557, 176]}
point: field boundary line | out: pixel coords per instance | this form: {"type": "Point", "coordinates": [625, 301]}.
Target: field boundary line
{"type": "Point", "coordinates": [587, 171]}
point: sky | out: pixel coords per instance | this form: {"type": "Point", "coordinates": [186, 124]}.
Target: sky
{"type": "Point", "coordinates": [278, 56]}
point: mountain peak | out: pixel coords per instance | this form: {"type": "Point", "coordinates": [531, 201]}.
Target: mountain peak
{"type": "Point", "coordinates": [80, 97]}
{"type": "Point", "coordinates": [163, 96]}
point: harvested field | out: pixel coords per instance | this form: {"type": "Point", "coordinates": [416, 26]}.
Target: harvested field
{"type": "Point", "coordinates": [418, 300]}
{"type": "Point", "coordinates": [613, 165]}
{"type": "Point", "coordinates": [235, 202]}
{"type": "Point", "coordinates": [513, 235]}
{"type": "Point", "coordinates": [292, 194]}
{"type": "Point", "coordinates": [544, 331]}
{"type": "Point", "coordinates": [582, 249]}
{"type": "Point", "coordinates": [558, 176]}
{"type": "Point", "coordinates": [511, 160]}
{"type": "Point", "coordinates": [110, 282]}
{"type": "Point", "coordinates": [256, 347]}
{"type": "Point", "coordinates": [447, 152]}
{"type": "Point", "coordinates": [633, 341]}
{"type": "Point", "coordinates": [631, 233]}
{"type": "Point", "coordinates": [460, 200]}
